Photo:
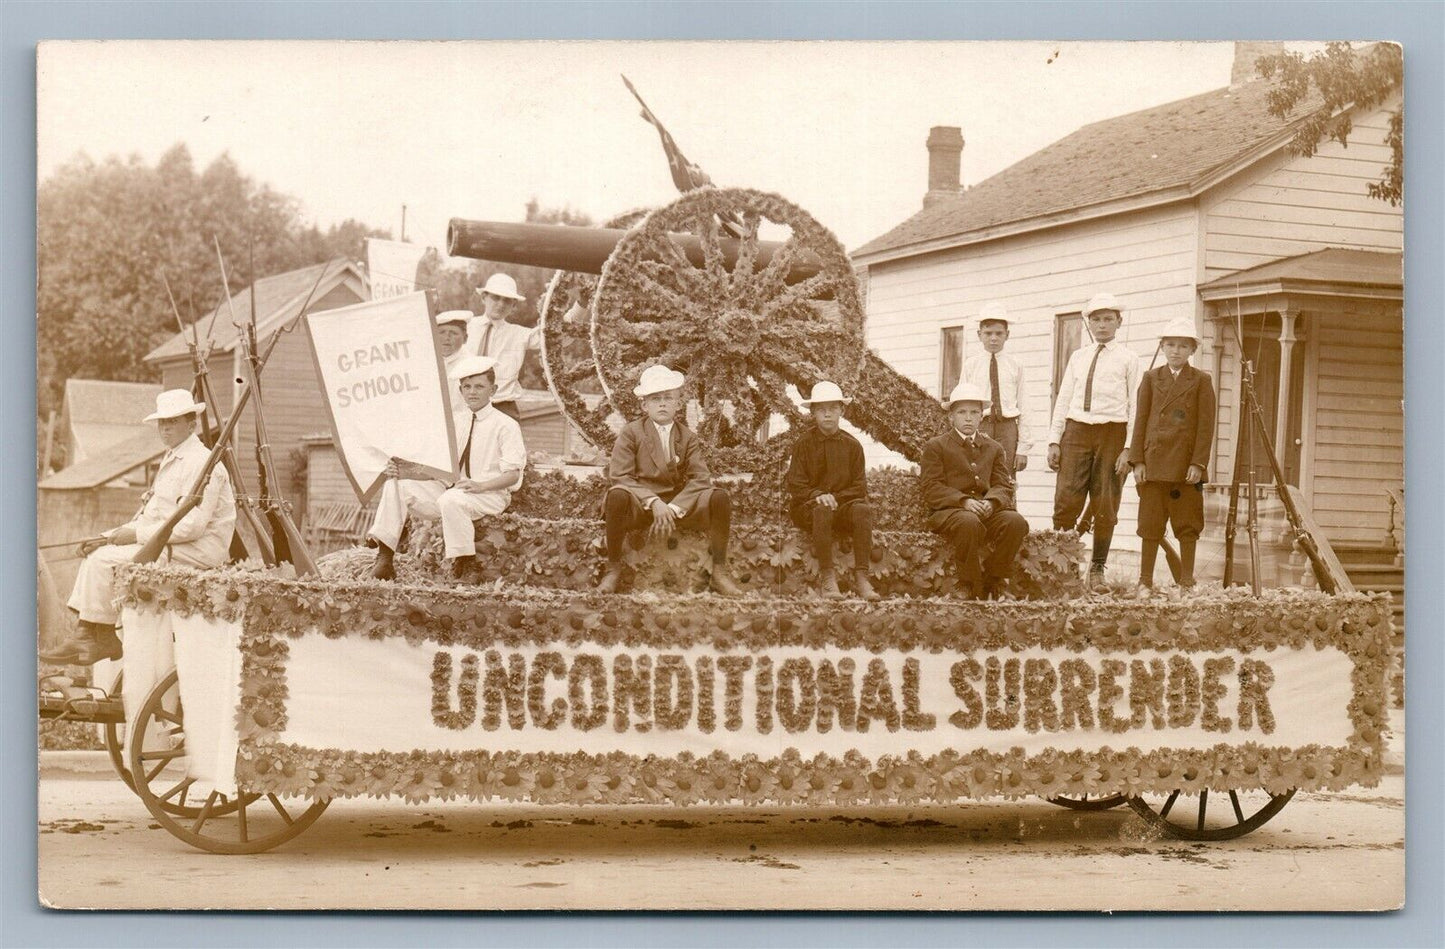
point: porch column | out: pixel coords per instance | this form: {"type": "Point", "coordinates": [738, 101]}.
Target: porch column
{"type": "Point", "coordinates": [1287, 339]}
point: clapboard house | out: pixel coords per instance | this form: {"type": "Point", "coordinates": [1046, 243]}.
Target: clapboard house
{"type": "Point", "coordinates": [1192, 208]}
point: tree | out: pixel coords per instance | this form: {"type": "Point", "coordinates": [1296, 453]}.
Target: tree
{"type": "Point", "coordinates": [1344, 79]}
{"type": "Point", "coordinates": [108, 233]}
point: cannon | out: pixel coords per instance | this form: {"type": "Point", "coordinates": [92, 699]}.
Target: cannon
{"type": "Point", "coordinates": [743, 317]}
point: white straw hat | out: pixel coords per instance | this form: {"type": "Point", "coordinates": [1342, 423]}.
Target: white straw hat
{"type": "Point", "coordinates": [1103, 301]}
{"type": "Point", "coordinates": [501, 285]}
{"type": "Point", "coordinates": [1180, 328]}
{"type": "Point", "coordinates": [173, 403]}
{"type": "Point", "coordinates": [824, 392]}
{"type": "Point", "coordinates": [966, 392]}
{"type": "Point", "coordinates": [471, 366]}
{"type": "Point", "coordinates": [656, 379]}
{"type": "Point", "coordinates": [463, 317]}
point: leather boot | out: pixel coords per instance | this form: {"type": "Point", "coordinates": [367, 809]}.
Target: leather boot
{"type": "Point", "coordinates": [1186, 563]}
{"type": "Point", "coordinates": [995, 588]}
{"type": "Point", "coordinates": [383, 568]}
{"type": "Point", "coordinates": [465, 568]}
{"type": "Point", "coordinates": [92, 643]}
{"type": "Point", "coordinates": [863, 585]}
{"type": "Point", "coordinates": [828, 585]}
{"type": "Point", "coordinates": [722, 583]}
{"type": "Point", "coordinates": [611, 579]}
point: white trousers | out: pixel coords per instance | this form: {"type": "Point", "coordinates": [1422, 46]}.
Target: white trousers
{"type": "Point", "coordinates": [92, 596]}
{"type": "Point", "coordinates": [429, 499]}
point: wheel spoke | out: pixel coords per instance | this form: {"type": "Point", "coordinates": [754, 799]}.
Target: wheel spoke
{"type": "Point", "coordinates": [797, 293]}
{"type": "Point", "coordinates": [1203, 804]}
{"type": "Point", "coordinates": [166, 755]}
{"type": "Point", "coordinates": [205, 814]}
{"type": "Point", "coordinates": [161, 766]}
{"type": "Point", "coordinates": [173, 717]}
{"type": "Point", "coordinates": [276, 803]}
{"type": "Point", "coordinates": [1164, 811]}
{"type": "Point", "coordinates": [649, 284]}
{"type": "Point", "coordinates": [706, 226]}
{"type": "Point", "coordinates": [1238, 812]}
{"type": "Point", "coordinates": [181, 788]}
{"type": "Point", "coordinates": [776, 272]}
{"type": "Point", "coordinates": [241, 806]}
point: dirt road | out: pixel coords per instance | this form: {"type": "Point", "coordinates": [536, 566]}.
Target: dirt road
{"type": "Point", "coordinates": [99, 848]}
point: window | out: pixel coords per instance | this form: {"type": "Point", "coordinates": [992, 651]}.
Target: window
{"type": "Point", "coordinates": [1068, 336]}
{"type": "Point", "coordinates": [950, 360]}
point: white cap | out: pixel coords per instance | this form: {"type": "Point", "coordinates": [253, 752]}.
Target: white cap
{"type": "Point", "coordinates": [1103, 301]}
{"type": "Point", "coordinates": [1181, 328]}
{"type": "Point", "coordinates": [656, 379]}
{"type": "Point", "coordinates": [501, 285]}
{"type": "Point", "coordinates": [824, 392]}
{"type": "Point", "coordinates": [993, 311]}
{"type": "Point", "coordinates": [463, 317]}
{"type": "Point", "coordinates": [173, 403]}
{"type": "Point", "coordinates": [966, 392]}
{"type": "Point", "coordinates": [471, 366]}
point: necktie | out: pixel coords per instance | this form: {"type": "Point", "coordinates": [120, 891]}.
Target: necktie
{"type": "Point", "coordinates": [486, 339]}
{"type": "Point", "coordinates": [1089, 382]}
{"type": "Point", "coordinates": [993, 391]}
{"type": "Point", "coordinates": [467, 448]}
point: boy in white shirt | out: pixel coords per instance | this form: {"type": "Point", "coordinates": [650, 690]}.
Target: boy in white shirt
{"type": "Point", "coordinates": [1002, 377]}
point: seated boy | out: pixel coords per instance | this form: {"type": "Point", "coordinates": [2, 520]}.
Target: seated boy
{"type": "Point", "coordinates": [828, 490]}
{"type": "Point", "coordinates": [968, 485]}
{"type": "Point", "coordinates": [1170, 450]}
{"type": "Point", "coordinates": [659, 480]}
{"type": "Point", "coordinates": [491, 458]}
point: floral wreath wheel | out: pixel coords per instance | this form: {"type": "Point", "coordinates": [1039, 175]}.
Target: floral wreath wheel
{"type": "Point", "coordinates": [1202, 817]}
{"type": "Point", "coordinates": [567, 349]}
{"type": "Point", "coordinates": [741, 318]}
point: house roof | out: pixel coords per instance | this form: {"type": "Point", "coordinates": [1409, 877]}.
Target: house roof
{"type": "Point", "coordinates": [108, 463]}
{"type": "Point", "coordinates": [278, 300]}
{"type": "Point", "coordinates": [103, 402]}
{"type": "Point", "coordinates": [1332, 266]}
{"type": "Point", "coordinates": [1170, 150]}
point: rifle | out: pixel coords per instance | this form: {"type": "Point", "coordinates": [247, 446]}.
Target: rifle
{"type": "Point", "coordinates": [285, 534]}
{"type": "Point", "coordinates": [201, 388]}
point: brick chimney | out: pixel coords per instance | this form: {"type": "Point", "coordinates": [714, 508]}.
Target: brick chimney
{"type": "Point", "coordinates": [945, 151]}
{"type": "Point", "coordinates": [1246, 53]}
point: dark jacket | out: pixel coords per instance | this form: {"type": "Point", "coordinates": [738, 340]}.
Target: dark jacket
{"type": "Point", "coordinates": [638, 464]}
{"type": "Point", "coordinates": [954, 471]}
{"type": "Point", "coordinates": [1174, 423]}
{"type": "Point", "coordinates": [831, 464]}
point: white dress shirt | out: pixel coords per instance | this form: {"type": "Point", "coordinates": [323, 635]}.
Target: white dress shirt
{"type": "Point", "coordinates": [210, 524]}
{"type": "Point", "coordinates": [1115, 389]}
{"type": "Point", "coordinates": [664, 436]}
{"type": "Point", "coordinates": [507, 343]}
{"type": "Point", "coordinates": [1011, 391]}
{"type": "Point", "coordinates": [496, 444]}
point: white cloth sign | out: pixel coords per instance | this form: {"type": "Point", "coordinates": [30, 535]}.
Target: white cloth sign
{"type": "Point", "coordinates": [392, 267]}
{"type": "Point", "coordinates": [380, 368]}
{"type": "Point", "coordinates": [368, 695]}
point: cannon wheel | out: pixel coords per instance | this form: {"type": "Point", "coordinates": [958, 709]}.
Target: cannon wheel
{"type": "Point", "coordinates": [1245, 812]}
{"type": "Point", "coordinates": [1086, 804]}
{"type": "Point", "coordinates": [567, 357]}
{"type": "Point", "coordinates": [741, 332]}
{"type": "Point", "coordinates": [244, 823]}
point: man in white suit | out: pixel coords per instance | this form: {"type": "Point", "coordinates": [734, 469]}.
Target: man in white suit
{"type": "Point", "coordinates": [491, 459]}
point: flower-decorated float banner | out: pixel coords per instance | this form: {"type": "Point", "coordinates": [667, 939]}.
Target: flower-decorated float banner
{"type": "Point", "coordinates": [355, 688]}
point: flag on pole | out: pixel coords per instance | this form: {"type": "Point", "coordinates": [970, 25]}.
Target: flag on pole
{"type": "Point", "coordinates": [393, 267]}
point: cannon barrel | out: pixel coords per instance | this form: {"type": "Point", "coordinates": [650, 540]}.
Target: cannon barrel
{"type": "Point", "coordinates": [583, 249]}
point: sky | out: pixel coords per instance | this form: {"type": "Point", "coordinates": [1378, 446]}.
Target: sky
{"type": "Point", "coordinates": [476, 129]}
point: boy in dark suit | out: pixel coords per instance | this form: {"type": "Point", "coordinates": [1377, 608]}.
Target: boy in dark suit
{"type": "Point", "coordinates": [828, 490]}
{"type": "Point", "coordinates": [1170, 450]}
{"type": "Point", "coordinates": [968, 485]}
{"type": "Point", "coordinates": [659, 480]}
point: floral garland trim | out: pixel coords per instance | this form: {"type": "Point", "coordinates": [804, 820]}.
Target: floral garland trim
{"type": "Point", "coordinates": [272, 611]}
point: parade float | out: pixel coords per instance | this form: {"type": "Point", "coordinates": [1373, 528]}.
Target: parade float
{"type": "Point", "coordinates": [1204, 711]}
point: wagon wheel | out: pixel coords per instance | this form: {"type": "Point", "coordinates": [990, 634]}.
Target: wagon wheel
{"type": "Point", "coordinates": [567, 348]}
{"type": "Point", "coordinates": [723, 311]}
{"type": "Point", "coordinates": [221, 823]}
{"type": "Point", "coordinates": [1246, 811]}
{"type": "Point", "coordinates": [115, 736]}
{"type": "Point", "coordinates": [1085, 804]}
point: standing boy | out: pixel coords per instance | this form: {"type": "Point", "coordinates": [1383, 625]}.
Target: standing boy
{"type": "Point", "coordinates": [502, 340]}
{"type": "Point", "coordinates": [828, 490]}
{"type": "Point", "coordinates": [659, 480]}
{"type": "Point", "coordinates": [969, 489]}
{"type": "Point", "coordinates": [1002, 377]}
{"type": "Point", "coordinates": [491, 460]}
{"type": "Point", "coordinates": [1170, 450]}
{"type": "Point", "coordinates": [1090, 432]}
